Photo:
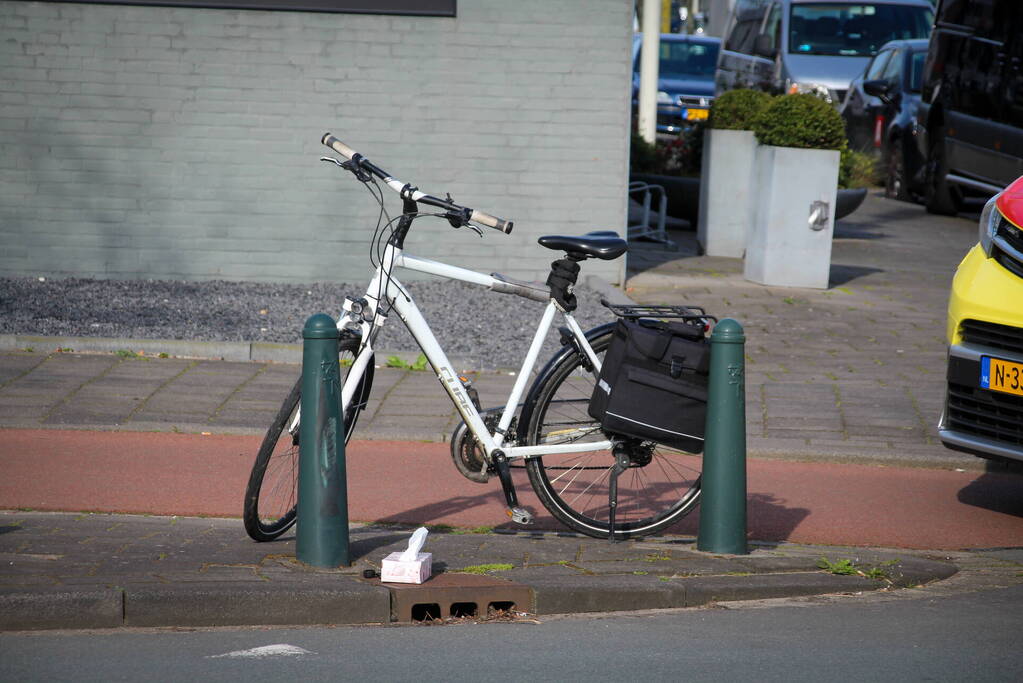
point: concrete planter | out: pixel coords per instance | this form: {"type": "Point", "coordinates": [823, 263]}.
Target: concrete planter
{"type": "Point", "coordinates": [727, 191]}
{"type": "Point", "coordinates": [848, 201]}
{"type": "Point", "coordinates": [790, 243]}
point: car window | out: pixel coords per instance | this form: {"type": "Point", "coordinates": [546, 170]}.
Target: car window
{"type": "Point", "coordinates": [876, 67]}
{"type": "Point", "coordinates": [916, 71]}
{"type": "Point", "coordinates": [772, 28]}
{"type": "Point", "coordinates": [853, 30]}
{"type": "Point", "coordinates": [685, 60]}
{"type": "Point", "coordinates": [893, 70]}
{"type": "Point", "coordinates": [747, 26]}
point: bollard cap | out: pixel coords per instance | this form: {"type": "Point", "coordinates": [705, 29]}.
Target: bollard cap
{"type": "Point", "coordinates": [728, 331]}
{"type": "Point", "coordinates": [320, 326]}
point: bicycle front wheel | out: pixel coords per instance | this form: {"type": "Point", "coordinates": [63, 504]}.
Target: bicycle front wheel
{"type": "Point", "coordinates": [271, 496]}
{"type": "Point", "coordinates": [660, 486]}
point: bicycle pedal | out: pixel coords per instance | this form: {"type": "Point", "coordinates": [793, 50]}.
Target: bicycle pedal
{"type": "Point", "coordinates": [520, 515]}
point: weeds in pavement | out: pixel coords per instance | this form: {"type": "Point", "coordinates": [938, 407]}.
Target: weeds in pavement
{"type": "Point", "coordinates": [485, 568]}
{"type": "Point", "coordinates": [846, 567]}
{"type": "Point", "coordinates": [397, 362]}
{"type": "Point", "coordinates": [840, 567]}
{"type": "Point", "coordinates": [474, 530]}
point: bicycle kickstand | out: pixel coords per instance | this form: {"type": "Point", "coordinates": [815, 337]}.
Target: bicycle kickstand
{"type": "Point", "coordinates": [518, 514]}
{"type": "Point", "coordinates": [621, 464]}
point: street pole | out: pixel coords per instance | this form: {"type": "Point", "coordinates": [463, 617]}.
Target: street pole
{"type": "Point", "coordinates": [322, 538]}
{"type": "Point", "coordinates": [649, 63]}
{"type": "Point", "coordinates": [723, 489]}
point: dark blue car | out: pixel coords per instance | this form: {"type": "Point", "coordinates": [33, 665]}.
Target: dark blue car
{"type": "Point", "coordinates": [880, 114]}
{"type": "Point", "coordinates": [685, 85]}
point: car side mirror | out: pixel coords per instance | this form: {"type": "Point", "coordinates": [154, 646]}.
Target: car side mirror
{"type": "Point", "coordinates": [763, 47]}
{"type": "Point", "coordinates": [878, 88]}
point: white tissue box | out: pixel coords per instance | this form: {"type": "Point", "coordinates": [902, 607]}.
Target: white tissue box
{"type": "Point", "coordinates": [395, 570]}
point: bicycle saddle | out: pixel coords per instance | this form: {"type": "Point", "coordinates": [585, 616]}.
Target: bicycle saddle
{"type": "Point", "coordinates": [602, 244]}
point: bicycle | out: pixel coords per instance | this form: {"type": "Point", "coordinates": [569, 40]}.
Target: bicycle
{"type": "Point", "coordinates": [597, 484]}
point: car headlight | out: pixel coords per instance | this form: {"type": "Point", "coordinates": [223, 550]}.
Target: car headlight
{"type": "Point", "coordinates": [990, 219]}
{"type": "Point", "coordinates": [818, 89]}
{"type": "Point", "coordinates": [664, 98]}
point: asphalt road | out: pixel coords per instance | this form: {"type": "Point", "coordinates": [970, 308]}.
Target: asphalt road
{"type": "Point", "coordinates": [898, 637]}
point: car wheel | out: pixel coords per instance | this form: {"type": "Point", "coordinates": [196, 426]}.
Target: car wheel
{"type": "Point", "coordinates": [895, 185]}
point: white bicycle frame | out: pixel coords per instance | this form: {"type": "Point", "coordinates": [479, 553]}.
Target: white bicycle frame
{"type": "Point", "coordinates": [385, 286]}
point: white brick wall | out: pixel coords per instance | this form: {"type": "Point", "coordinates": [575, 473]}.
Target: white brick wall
{"type": "Point", "coordinates": [153, 142]}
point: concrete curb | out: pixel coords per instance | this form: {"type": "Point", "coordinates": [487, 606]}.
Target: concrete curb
{"type": "Point", "coordinates": [115, 571]}
{"type": "Point", "coordinates": [345, 600]}
{"type": "Point", "coordinates": [239, 352]}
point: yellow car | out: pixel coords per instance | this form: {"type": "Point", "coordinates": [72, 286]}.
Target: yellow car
{"type": "Point", "coordinates": [983, 411]}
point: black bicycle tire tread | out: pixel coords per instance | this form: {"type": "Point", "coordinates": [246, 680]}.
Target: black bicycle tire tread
{"type": "Point", "coordinates": [250, 517]}
{"type": "Point", "coordinates": [538, 479]}
{"type": "Point", "coordinates": [253, 526]}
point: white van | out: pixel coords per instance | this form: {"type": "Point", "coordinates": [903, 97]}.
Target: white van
{"type": "Point", "coordinates": [814, 46]}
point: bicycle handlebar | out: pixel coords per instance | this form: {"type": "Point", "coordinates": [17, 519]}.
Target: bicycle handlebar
{"type": "Point", "coordinates": [406, 191]}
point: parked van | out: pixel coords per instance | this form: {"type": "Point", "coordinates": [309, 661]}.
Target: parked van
{"type": "Point", "coordinates": [970, 118]}
{"type": "Point", "coordinates": [812, 46]}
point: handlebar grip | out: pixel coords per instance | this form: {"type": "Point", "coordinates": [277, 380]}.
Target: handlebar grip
{"type": "Point", "coordinates": [491, 221]}
{"type": "Point", "coordinates": [338, 146]}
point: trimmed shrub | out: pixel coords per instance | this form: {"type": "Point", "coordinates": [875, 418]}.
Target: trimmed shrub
{"type": "Point", "coordinates": [800, 120]}
{"type": "Point", "coordinates": [857, 169]}
{"type": "Point", "coordinates": [642, 156]}
{"type": "Point", "coordinates": [736, 109]}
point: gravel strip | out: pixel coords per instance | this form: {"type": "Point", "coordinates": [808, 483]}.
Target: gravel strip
{"type": "Point", "coordinates": [488, 330]}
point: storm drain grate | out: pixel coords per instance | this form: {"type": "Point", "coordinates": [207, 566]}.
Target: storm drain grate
{"type": "Point", "coordinates": [456, 595]}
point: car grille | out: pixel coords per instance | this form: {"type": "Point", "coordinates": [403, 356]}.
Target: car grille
{"type": "Point", "coordinates": [1008, 250]}
{"type": "Point", "coordinates": [1008, 261]}
{"type": "Point", "coordinates": [1012, 235]}
{"type": "Point", "coordinates": [695, 101]}
{"type": "Point", "coordinates": [992, 334]}
{"type": "Point", "coordinates": [998, 417]}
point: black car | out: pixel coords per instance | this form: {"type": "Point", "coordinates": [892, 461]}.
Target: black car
{"type": "Point", "coordinates": [880, 114]}
{"type": "Point", "coordinates": [970, 119]}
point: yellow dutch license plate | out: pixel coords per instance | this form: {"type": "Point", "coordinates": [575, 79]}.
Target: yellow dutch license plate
{"type": "Point", "coordinates": [697, 114]}
{"type": "Point", "coordinates": [1001, 375]}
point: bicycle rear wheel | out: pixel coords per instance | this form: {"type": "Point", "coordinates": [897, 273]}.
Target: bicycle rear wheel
{"type": "Point", "coordinates": [660, 487]}
{"type": "Point", "coordinates": [271, 496]}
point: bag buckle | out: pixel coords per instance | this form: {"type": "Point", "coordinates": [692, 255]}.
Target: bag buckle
{"type": "Point", "coordinates": [676, 367]}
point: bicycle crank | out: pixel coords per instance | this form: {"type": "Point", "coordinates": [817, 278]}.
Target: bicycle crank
{"type": "Point", "coordinates": [518, 514]}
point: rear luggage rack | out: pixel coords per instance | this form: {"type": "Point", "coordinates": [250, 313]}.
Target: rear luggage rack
{"type": "Point", "coordinates": [688, 313]}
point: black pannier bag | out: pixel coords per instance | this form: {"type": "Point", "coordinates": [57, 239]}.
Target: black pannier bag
{"type": "Point", "coordinates": [653, 383]}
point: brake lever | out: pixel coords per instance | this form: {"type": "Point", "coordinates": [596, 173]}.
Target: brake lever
{"type": "Point", "coordinates": [356, 170]}
{"type": "Point", "coordinates": [459, 219]}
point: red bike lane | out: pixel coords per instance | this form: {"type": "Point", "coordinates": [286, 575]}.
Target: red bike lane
{"type": "Point", "coordinates": [186, 474]}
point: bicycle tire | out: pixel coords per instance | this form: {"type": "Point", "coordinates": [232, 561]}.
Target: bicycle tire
{"type": "Point", "coordinates": [271, 495]}
{"type": "Point", "coordinates": [573, 486]}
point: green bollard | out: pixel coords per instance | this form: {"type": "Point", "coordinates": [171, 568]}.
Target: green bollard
{"type": "Point", "coordinates": [322, 485]}
{"type": "Point", "coordinates": [723, 494]}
